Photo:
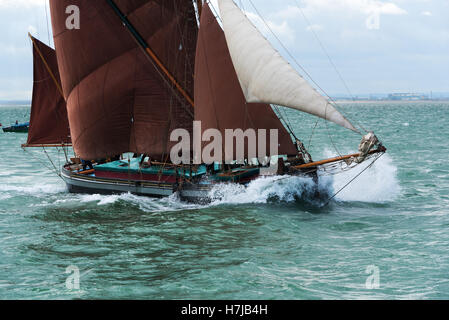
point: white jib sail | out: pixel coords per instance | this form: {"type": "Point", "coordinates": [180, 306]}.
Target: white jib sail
{"type": "Point", "coordinates": [264, 75]}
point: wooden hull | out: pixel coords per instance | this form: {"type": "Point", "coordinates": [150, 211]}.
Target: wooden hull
{"type": "Point", "coordinates": [110, 182]}
{"type": "Point", "coordinates": [195, 192]}
{"type": "Point", "coordinates": [80, 183]}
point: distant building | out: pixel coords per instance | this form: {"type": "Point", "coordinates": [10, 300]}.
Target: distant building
{"type": "Point", "coordinates": [407, 97]}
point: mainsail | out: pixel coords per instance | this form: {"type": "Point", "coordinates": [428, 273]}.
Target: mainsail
{"type": "Point", "coordinates": [219, 100]}
{"type": "Point", "coordinates": [264, 75]}
{"type": "Point", "coordinates": [48, 123]}
{"type": "Point", "coordinates": [117, 98]}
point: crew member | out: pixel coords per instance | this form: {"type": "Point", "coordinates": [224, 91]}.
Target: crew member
{"type": "Point", "coordinates": [87, 163]}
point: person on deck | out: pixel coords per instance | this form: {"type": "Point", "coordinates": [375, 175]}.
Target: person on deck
{"type": "Point", "coordinates": [17, 122]}
{"type": "Point", "coordinates": [87, 163]}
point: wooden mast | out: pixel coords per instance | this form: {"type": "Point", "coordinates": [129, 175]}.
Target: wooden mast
{"type": "Point", "coordinates": [150, 53]}
{"type": "Point", "coordinates": [199, 4]}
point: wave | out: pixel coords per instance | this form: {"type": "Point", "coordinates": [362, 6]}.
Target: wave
{"type": "Point", "coordinates": [33, 190]}
{"type": "Point", "coordinates": [5, 196]}
{"type": "Point", "coordinates": [378, 184]}
{"type": "Point", "coordinates": [263, 190]}
{"type": "Point", "coordinates": [146, 204]}
{"type": "Point", "coordinates": [272, 189]}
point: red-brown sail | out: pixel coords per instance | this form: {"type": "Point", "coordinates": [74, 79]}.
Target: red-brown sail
{"type": "Point", "coordinates": [219, 100]}
{"type": "Point", "coordinates": [117, 100]}
{"type": "Point", "coordinates": [48, 123]}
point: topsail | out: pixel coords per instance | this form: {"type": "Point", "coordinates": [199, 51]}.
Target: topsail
{"type": "Point", "coordinates": [48, 124]}
{"type": "Point", "coordinates": [264, 75]}
{"type": "Point", "coordinates": [117, 99]}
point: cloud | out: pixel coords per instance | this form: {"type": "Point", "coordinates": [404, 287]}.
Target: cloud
{"type": "Point", "coordinates": [315, 27]}
{"type": "Point", "coordinates": [281, 30]}
{"type": "Point", "coordinates": [426, 13]}
{"type": "Point", "coordinates": [360, 6]}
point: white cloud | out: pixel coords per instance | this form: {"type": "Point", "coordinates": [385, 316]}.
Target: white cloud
{"type": "Point", "coordinates": [315, 27]}
{"type": "Point", "coordinates": [426, 13]}
{"type": "Point", "coordinates": [361, 6]}
{"type": "Point", "coordinates": [281, 30]}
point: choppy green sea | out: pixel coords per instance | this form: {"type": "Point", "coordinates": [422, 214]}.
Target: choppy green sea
{"type": "Point", "coordinates": [384, 237]}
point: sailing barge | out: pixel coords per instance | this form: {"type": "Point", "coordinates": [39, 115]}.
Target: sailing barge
{"type": "Point", "coordinates": [137, 70]}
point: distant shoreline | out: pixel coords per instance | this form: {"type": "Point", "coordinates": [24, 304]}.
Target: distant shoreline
{"type": "Point", "coordinates": [6, 103]}
{"type": "Point", "coordinates": [391, 101]}
{"type": "Point", "coordinates": [28, 103]}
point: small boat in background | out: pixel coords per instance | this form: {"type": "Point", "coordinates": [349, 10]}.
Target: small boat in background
{"type": "Point", "coordinates": [18, 127]}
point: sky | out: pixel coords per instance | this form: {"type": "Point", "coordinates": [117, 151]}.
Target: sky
{"type": "Point", "coordinates": [349, 47]}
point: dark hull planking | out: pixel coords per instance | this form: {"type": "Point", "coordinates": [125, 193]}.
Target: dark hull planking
{"type": "Point", "coordinates": [16, 129]}
{"type": "Point", "coordinates": [150, 185]}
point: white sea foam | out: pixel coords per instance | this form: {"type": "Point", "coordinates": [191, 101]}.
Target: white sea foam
{"type": "Point", "coordinates": [264, 190]}
{"type": "Point", "coordinates": [146, 204]}
{"type": "Point", "coordinates": [102, 200]}
{"type": "Point", "coordinates": [4, 196]}
{"type": "Point", "coordinates": [34, 190]}
{"type": "Point", "coordinates": [378, 184]}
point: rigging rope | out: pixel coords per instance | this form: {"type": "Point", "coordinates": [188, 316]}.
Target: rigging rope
{"type": "Point", "coordinates": [56, 171]}
{"type": "Point", "coordinates": [48, 27]}
{"type": "Point", "coordinates": [332, 102]}
{"type": "Point", "coordinates": [328, 57]}
{"type": "Point", "coordinates": [358, 175]}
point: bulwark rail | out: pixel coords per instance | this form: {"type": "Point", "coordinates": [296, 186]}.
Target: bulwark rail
{"type": "Point", "coordinates": [337, 159]}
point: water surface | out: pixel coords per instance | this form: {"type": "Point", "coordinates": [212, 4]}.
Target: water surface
{"type": "Point", "coordinates": [263, 242]}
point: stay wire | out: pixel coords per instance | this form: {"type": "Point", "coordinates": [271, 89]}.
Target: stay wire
{"type": "Point", "coordinates": [302, 68]}
{"type": "Point", "coordinates": [328, 57]}
{"type": "Point", "coordinates": [48, 25]}
{"type": "Point", "coordinates": [331, 101]}
{"type": "Point", "coordinates": [356, 177]}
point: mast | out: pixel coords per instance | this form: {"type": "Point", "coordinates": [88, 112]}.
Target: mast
{"type": "Point", "coordinates": [150, 53]}
{"type": "Point", "coordinates": [220, 102]}
{"type": "Point", "coordinates": [199, 4]}
{"type": "Point", "coordinates": [118, 99]}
